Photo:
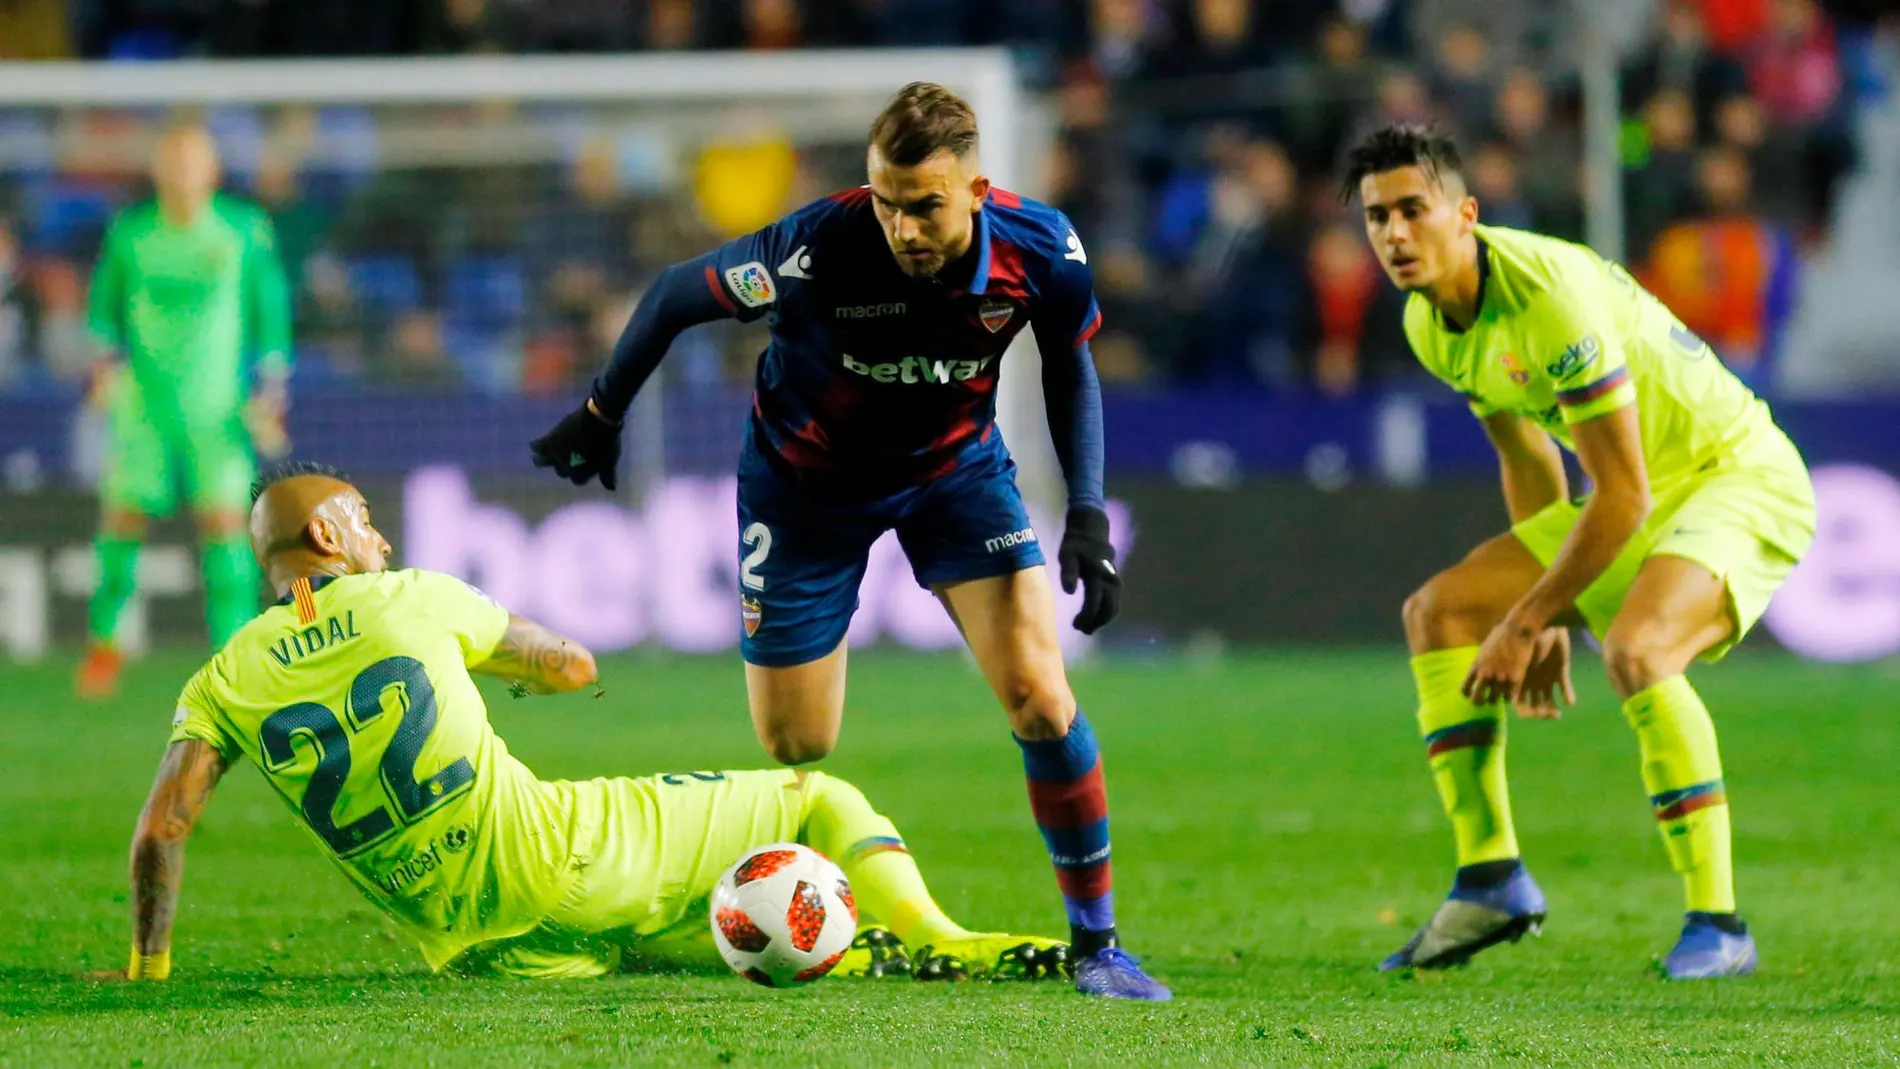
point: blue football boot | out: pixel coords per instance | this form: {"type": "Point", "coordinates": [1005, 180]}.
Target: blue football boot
{"type": "Point", "coordinates": [1112, 973]}
{"type": "Point", "coordinates": [1470, 920]}
{"type": "Point", "coordinates": [1705, 952]}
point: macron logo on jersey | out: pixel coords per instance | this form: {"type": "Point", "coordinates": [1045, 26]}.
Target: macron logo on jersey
{"type": "Point", "coordinates": [751, 283]}
{"type": "Point", "coordinates": [1075, 250]}
{"type": "Point", "coordinates": [868, 311]}
{"type": "Point", "coordinates": [797, 265]}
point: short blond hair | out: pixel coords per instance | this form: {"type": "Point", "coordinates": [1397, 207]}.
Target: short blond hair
{"type": "Point", "coordinates": [923, 119]}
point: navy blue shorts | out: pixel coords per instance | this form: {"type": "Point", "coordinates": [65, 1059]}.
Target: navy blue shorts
{"type": "Point", "coordinates": [802, 556]}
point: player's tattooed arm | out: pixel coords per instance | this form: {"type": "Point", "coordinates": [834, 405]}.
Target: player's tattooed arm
{"type": "Point", "coordinates": [186, 777]}
{"type": "Point", "coordinates": [536, 660]}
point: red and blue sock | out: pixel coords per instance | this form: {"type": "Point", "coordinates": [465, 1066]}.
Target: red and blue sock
{"type": "Point", "coordinates": [1071, 808]}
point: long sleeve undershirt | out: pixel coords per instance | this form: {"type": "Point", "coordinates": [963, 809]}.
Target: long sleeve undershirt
{"type": "Point", "coordinates": [679, 298]}
{"type": "Point", "coordinates": [1073, 395]}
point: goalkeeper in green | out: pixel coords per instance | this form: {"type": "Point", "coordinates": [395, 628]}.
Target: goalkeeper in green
{"type": "Point", "coordinates": [191, 304]}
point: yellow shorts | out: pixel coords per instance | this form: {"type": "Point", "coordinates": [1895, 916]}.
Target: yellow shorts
{"type": "Point", "coordinates": [648, 852]}
{"type": "Point", "coordinates": [1748, 520]}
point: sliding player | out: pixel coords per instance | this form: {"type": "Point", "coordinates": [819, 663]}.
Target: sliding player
{"type": "Point", "coordinates": [891, 306]}
{"type": "Point", "coordinates": [353, 696]}
{"type": "Point", "coordinates": [1700, 507]}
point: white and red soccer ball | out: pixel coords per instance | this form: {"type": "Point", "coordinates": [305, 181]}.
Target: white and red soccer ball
{"type": "Point", "coordinates": [783, 915]}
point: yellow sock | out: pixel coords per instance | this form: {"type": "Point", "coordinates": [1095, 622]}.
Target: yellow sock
{"type": "Point", "coordinates": [1682, 770]}
{"type": "Point", "coordinates": [1465, 745]}
{"type": "Point", "coordinates": [840, 824]}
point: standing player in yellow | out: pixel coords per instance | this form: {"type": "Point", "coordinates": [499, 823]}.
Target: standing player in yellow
{"type": "Point", "coordinates": [1700, 506]}
{"type": "Point", "coordinates": [354, 698]}
{"type": "Point", "coordinates": [188, 287]}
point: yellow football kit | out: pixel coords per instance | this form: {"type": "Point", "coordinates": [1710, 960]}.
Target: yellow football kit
{"type": "Point", "coordinates": [1563, 335]}
{"type": "Point", "coordinates": [353, 696]}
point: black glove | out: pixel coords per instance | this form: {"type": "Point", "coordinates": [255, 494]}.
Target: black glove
{"type": "Point", "coordinates": [1087, 555]}
{"type": "Point", "coordinates": [580, 447]}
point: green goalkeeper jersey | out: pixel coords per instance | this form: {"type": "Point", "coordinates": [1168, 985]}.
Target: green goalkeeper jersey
{"type": "Point", "coordinates": [187, 304]}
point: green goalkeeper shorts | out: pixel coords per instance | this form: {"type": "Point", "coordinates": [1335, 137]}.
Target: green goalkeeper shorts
{"type": "Point", "coordinates": [148, 461]}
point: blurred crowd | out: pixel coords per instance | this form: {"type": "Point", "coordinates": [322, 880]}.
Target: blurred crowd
{"type": "Point", "coordinates": [1196, 151]}
{"type": "Point", "coordinates": [1231, 260]}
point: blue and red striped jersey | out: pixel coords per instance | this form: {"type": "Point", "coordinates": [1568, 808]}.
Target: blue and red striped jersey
{"type": "Point", "coordinates": [872, 372]}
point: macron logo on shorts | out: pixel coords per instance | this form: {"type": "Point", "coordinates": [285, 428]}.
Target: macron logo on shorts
{"type": "Point", "coordinates": [1009, 541]}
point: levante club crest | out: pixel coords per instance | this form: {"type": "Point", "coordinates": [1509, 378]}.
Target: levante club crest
{"type": "Point", "coordinates": [751, 612]}
{"type": "Point", "coordinates": [995, 314]}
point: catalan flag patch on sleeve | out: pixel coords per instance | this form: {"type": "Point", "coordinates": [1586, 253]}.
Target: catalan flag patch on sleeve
{"type": "Point", "coordinates": [304, 599]}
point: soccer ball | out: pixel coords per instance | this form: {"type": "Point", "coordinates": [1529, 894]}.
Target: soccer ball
{"type": "Point", "coordinates": [783, 915]}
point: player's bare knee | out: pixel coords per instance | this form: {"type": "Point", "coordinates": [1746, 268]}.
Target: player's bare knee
{"type": "Point", "coordinates": [1040, 712]}
{"type": "Point", "coordinates": [1427, 613]}
{"type": "Point", "coordinates": [1636, 662]}
{"type": "Point", "coordinates": [798, 751]}
{"type": "Point", "coordinates": [1416, 614]}
{"type": "Point", "coordinates": [1447, 611]}
{"type": "Point", "coordinates": [792, 744]}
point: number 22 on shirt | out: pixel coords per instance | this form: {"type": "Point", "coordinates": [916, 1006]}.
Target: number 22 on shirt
{"type": "Point", "coordinates": [329, 737]}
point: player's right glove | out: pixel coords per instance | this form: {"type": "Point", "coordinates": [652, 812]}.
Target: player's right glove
{"type": "Point", "coordinates": [1087, 555]}
{"type": "Point", "coordinates": [580, 447]}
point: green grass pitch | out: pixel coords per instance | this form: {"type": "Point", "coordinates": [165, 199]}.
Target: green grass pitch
{"type": "Point", "coordinates": [1275, 834]}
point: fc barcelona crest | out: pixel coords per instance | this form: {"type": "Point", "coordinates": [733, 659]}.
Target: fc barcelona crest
{"type": "Point", "coordinates": [995, 314]}
{"type": "Point", "coordinates": [751, 612]}
{"type": "Point", "coordinates": [1515, 369]}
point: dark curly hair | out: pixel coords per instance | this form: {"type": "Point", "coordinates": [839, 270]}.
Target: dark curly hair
{"type": "Point", "coordinates": [290, 469]}
{"type": "Point", "coordinates": [1400, 145]}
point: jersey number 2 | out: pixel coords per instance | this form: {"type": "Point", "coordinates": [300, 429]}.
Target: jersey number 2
{"type": "Point", "coordinates": [324, 732]}
{"type": "Point", "coordinates": [759, 537]}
